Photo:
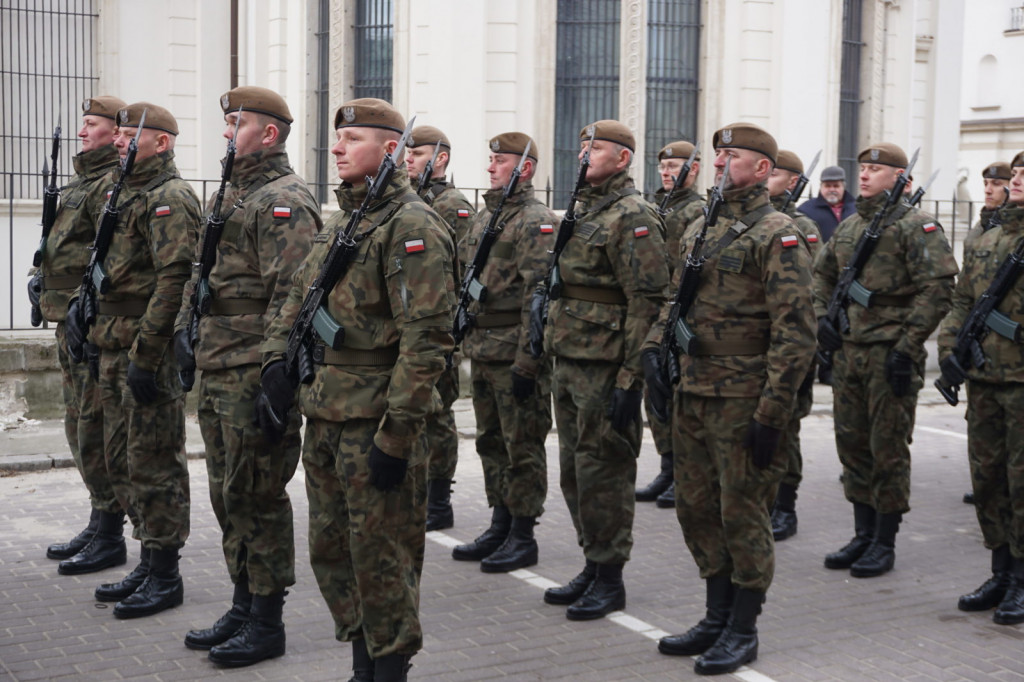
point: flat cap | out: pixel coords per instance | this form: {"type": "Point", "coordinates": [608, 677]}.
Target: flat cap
{"type": "Point", "coordinates": [788, 161]}
{"type": "Point", "coordinates": [746, 136]}
{"type": "Point", "coordinates": [610, 131]}
{"type": "Point", "coordinates": [833, 173]}
{"type": "Point", "coordinates": [1000, 170]}
{"type": "Point", "coordinates": [104, 105]}
{"type": "Point", "coordinates": [429, 135]}
{"type": "Point", "coordinates": [369, 112]}
{"type": "Point", "coordinates": [1017, 160]}
{"type": "Point", "coordinates": [258, 100]}
{"type": "Point", "coordinates": [680, 149]}
{"type": "Point", "coordinates": [513, 143]}
{"type": "Point", "coordinates": [157, 118]}
{"type": "Point", "coordinates": [884, 153]}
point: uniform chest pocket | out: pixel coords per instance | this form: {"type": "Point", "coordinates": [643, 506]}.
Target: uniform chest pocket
{"type": "Point", "coordinates": [73, 199]}
{"type": "Point", "coordinates": [503, 250]}
{"type": "Point", "coordinates": [593, 234]}
{"type": "Point", "coordinates": [731, 260]}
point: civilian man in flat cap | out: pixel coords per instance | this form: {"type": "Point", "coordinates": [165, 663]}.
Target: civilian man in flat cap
{"type": "Point", "coordinates": [684, 207]}
{"type": "Point", "coordinates": [753, 321]}
{"type": "Point", "coordinates": [148, 263]}
{"type": "Point", "coordinates": [995, 400]}
{"type": "Point", "coordinates": [615, 279]}
{"type": "Point", "coordinates": [364, 450]}
{"type": "Point", "coordinates": [833, 203]}
{"type": "Point", "coordinates": [878, 366]}
{"type": "Point", "coordinates": [511, 390]}
{"type": "Point", "coordinates": [65, 257]}
{"type": "Point", "coordinates": [997, 178]}
{"type": "Point", "coordinates": [455, 209]}
{"type": "Point", "coordinates": [270, 221]}
{"type": "Point", "coordinates": [785, 175]}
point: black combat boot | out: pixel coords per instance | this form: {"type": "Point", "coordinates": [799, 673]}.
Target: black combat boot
{"type": "Point", "coordinates": [260, 638]}
{"type": "Point", "coordinates": [738, 644]}
{"type": "Point", "coordinates": [488, 541]}
{"type": "Point", "coordinates": [660, 483]}
{"type": "Point", "coordinates": [439, 504]}
{"type": "Point", "coordinates": [605, 594]}
{"type": "Point", "coordinates": [161, 590]}
{"type": "Point", "coordinates": [704, 634]}
{"type": "Point", "coordinates": [992, 591]}
{"type": "Point", "coordinates": [864, 527]}
{"type": "Point", "coordinates": [128, 585]}
{"type": "Point", "coordinates": [518, 551]}
{"type": "Point", "coordinates": [227, 625]}
{"type": "Point", "coordinates": [569, 593]}
{"type": "Point", "coordinates": [881, 555]}
{"type": "Point", "coordinates": [362, 664]}
{"type": "Point", "coordinates": [1011, 609]}
{"type": "Point", "coordinates": [105, 549]}
{"type": "Point", "coordinates": [66, 550]}
{"type": "Point", "coordinates": [784, 513]}
{"type": "Point", "coordinates": [391, 668]}
{"type": "Point", "coordinates": [667, 500]}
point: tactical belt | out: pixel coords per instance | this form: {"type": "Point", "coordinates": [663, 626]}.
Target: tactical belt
{"type": "Point", "coordinates": [132, 307]}
{"type": "Point", "coordinates": [62, 282]}
{"type": "Point", "coordinates": [593, 294]}
{"type": "Point", "coordinates": [238, 306]}
{"type": "Point", "coordinates": [729, 346]}
{"type": "Point", "coordinates": [322, 355]}
{"type": "Point", "coordinates": [896, 301]}
{"type": "Point", "coordinates": [505, 319]}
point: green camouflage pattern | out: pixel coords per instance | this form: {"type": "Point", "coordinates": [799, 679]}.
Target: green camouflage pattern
{"type": "Point", "coordinates": [972, 235]}
{"type": "Point", "coordinates": [451, 204]}
{"type": "Point", "coordinates": [809, 228]}
{"type": "Point", "coordinates": [686, 206]}
{"type": "Point", "coordinates": [442, 434]}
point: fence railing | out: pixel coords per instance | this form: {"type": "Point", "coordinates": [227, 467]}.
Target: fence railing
{"type": "Point", "coordinates": [1016, 19]}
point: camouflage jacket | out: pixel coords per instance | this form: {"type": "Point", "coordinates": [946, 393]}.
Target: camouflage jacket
{"type": "Point", "coordinates": [149, 260]}
{"type": "Point", "coordinates": [809, 228]}
{"type": "Point", "coordinates": [755, 290]}
{"type": "Point", "coordinates": [74, 230]}
{"type": "Point", "coordinates": [979, 228]}
{"type": "Point", "coordinates": [617, 247]}
{"type": "Point", "coordinates": [398, 295]}
{"type": "Point", "coordinates": [270, 221]}
{"type": "Point", "coordinates": [517, 262]}
{"type": "Point", "coordinates": [686, 206]}
{"type": "Point", "coordinates": [912, 265]}
{"type": "Point", "coordinates": [450, 204]}
{"type": "Point", "coordinates": [1004, 359]}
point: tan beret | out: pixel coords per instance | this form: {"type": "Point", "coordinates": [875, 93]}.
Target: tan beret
{"type": "Point", "coordinates": [428, 135]}
{"type": "Point", "coordinates": [258, 100]}
{"type": "Point", "coordinates": [513, 143]}
{"type": "Point", "coordinates": [788, 161]}
{"type": "Point", "coordinates": [369, 112]}
{"type": "Point", "coordinates": [104, 105]}
{"type": "Point", "coordinates": [1017, 160]}
{"type": "Point", "coordinates": [610, 131]}
{"type": "Point", "coordinates": [746, 136]}
{"type": "Point", "coordinates": [884, 153]}
{"type": "Point", "coordinates": [680, 149]}
{"type": "Point", "coordinates": [1000, 170]}
{"type": "Point", "coordinates": [157, 118]}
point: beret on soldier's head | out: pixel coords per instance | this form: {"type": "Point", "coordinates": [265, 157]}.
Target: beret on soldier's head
{"type": "Point", "coordinates": [884, 153]}
{"type": "Point", "coordinates": [1017, 160]}
{"type": "Point", "coordinates": [788, 161]}
{"type": "Point", "coordinates": [369, 112]}
{"type": "Point", "coordinates": [258, 100]}
{"type": "Point", "coordinates": [746, 136]}
{"type": "Point", "coordinates": [428, 135]}
{"type": "Point", "coordinates": [104, 105]}
{"type": "Point", "coordinates": [157, 118]}
{"type": "Point", "coordinates": [680, 149]}
{"type": "Point", "coordinates": [610, 131]}
{"type": "Point", "coordinates": [513, 143]}
{"type": "Point", "coordinates": [1000, 170]}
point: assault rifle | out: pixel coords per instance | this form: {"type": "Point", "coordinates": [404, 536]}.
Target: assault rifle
{"type": "Point", "coordinates": [915, 198]}
{"type": "Point", "coordinates": [679, 180]}
{"type": "Point", "coordinates": [50, 195]}
{"type": "Point", "coordinates": [550, 288]}
{"type": "Point", "coordinates": [428, 170]}
{"type": "Point", "coordinates": [801, 184]}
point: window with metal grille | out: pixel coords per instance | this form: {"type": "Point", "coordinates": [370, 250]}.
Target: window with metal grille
{"type": "Point", "coordinates": [673, 61]}
{"type": "Point", "coordinates": [586, 80]}
{"type": "Point", "coordinates": [849, 86]}
{"type": "Point", "coordinates": [374, 37]}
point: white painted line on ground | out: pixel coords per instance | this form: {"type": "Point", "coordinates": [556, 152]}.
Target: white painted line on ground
{"type": "Point", "coordinates": [942, 432]}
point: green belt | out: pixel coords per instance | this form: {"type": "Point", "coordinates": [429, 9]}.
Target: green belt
{"type": "Point", "coordinates": [593, 294]}
{"type": "Point", "coordinates": [62, 282]}
{"type": "Point", "coordinates": [729, 346]}
{"type": "Point", "coordinates": [238, 306]}
{"type": "Point", "coordinates": [132, 307]}
{"type": "Point", "coordinates": [504, 319]}
{"type": "Point", "coordinates": [322, 355]}
{"type": "Point", "coordinates": [896, 301]}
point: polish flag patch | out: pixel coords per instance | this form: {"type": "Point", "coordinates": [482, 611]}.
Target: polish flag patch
{"type": "Point", "coordinates": [414, 246]}
{"type": "Point", "coordinates": [282, 212]}
{"type": "Point", "coordinates": [463, 212]}
{"type": "Point", "coordinates": [790, 240]}
{"type": "Point", "coordinates": [929, 227]}
{"type": "Point", "coordinates": [641, 231]}
{"type": "Point", "coordinates": [109, 192]}
{"type": "Point", "coordinates": [812, 238]}
{"type": "Point", "coordinates": [163, 211]}
{"type": "Point", "coordinates": [547, 229]}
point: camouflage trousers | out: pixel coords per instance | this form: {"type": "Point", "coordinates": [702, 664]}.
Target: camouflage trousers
{"type": "Point", "coordinates": [510, 438]}
{"type": "Point", "coordinates": [145, 449]}
{"type": "Point", "coordinates": [995, 450]}
{"type": "Point", "coordinates": [873, 428]}
{"type": "Point", "coordinates": [598, 464]}
{"type": "Point", "coordinates": [722, 499]}
{"type": "Point", "coordinates": [442, 436]}
{"type": "Point", "coordinates": [247, 478]}
{"type": "Point", "coordinates": [789, 442]}
{"type": "Point", "coordinates": [83, 426]}
{"type": "Point", "coordinates": [366, 546]}
{"type": "Point", "coordinates": [660, 431]}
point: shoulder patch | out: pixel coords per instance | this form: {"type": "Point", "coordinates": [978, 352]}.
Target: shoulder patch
{"type": "Point", "coordinates": [463, 212]}
{"type": "Point", "coordinates": [414, 246]}
{"type": "Point", "coordinates": [162, 211]}
{"type": "Point", "coordinates": [929, 227]}
{"type": "Point", "coordinates": [789, 240]}
{"type": "Point", "coordinates": [547, 229]}
{"type": "Point", "coordinates": [812, 238]}
{"type": "Point", "coordinates": [641, 231]}
{"type": "Point", "coordinates": [282, 212]}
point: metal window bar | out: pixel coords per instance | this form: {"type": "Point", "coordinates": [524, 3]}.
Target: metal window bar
{"type": "Point", "coordinates": [321, 148]}
{"type": "Point", "coordinates": [849, 88]}
{"type": "Point", "coordinates": [1016, 19]}
{"type": "Point", "coordinates": [373, 33]}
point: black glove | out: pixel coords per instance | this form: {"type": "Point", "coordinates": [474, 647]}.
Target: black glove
{"type": "Point", "coordinates": [35, 289]}
{"type": "Point", "coordinates": [659, 394]}
{"type": "Point", "coordinates": [762, 441]}
{"type": "Point", "coordinates": [74, 330]}
{"type": "Point", "coordinates": [522, 387]}
{"type": "Point", "coordinates": [899, 368]}
{"type": "Point", "coordinates": [143, 384]}
{"type": "Point", "coordinates": [625, 408]}
{"type": "Point", "coordinates": [276, 397]}
{"type": "Point", "coordinates": [186, 358]}
{"type": "Point", "coordinates": [829, 337]}
{"type": "Point", "coordinates": [386, 472]}
{"type": "Point", "coordinates": [953, 372]}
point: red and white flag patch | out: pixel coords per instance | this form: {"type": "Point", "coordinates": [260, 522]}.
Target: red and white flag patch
{"type": "Point", "coordinates": [929, 227]}
{"type": "Point", "coordinates": [463, 212]}
{"type": "Point", "coordinates": [163, 211]}
{"type": "Point", "coordinates": [109, 192]}
{"type": "Point", "coordinates": [547, 229]}
{"type": "Point", "coordinates": [790, 240]}
{"type": "Point", "coordinates": [812, 238]}
{"type": "Point", "coordinates": [414, 246]}
{"type": "Point", "coordinates": [282, 212]}
{"type": "Point", "coordinates": [641, 231]}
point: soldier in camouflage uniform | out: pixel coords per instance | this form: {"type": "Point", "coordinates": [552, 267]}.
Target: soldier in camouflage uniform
{"type": "Point", "coordinates": [615, 279]}
{"type": "Point", "coordinates": [450, 204]}
{"type": "Point", "coordinates": [511, 390]}
{"type": "Point", "coordinates": [782, 181]}
{"type": "Point", "coordinates": [753, 322]}
{"type": "Point", "coordinates": [997, 187]}
{"type": "Point", "coordinates": [65, 256]}
{"type": "Point", "coordinates": [995, 399]}
{"type": "Point", "coordinates": [270, 221]}
{"type": "Point", "coordinates": [683, 208]}
{"type": "Point", "coordinates": [148, 264]}
{"type": "Point", "coordinates": [364, 450]}
{"type": "Point", "coordinates": [878, 366]}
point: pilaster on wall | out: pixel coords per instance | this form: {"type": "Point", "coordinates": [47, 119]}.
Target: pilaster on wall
{"type": "Point", "coordinates": [633, 78]}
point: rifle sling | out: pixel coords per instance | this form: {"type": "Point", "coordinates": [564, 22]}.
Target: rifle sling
{"type": "Point", "coordinates": [898, 212]}
{"type": "Point", "coordinates": [148, 187]}
{"type": "Point", "coordinates": [251, 189]}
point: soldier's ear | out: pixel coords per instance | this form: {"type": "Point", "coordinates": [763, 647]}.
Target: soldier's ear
{"type": "Point", "coordinates": [271, 133]}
